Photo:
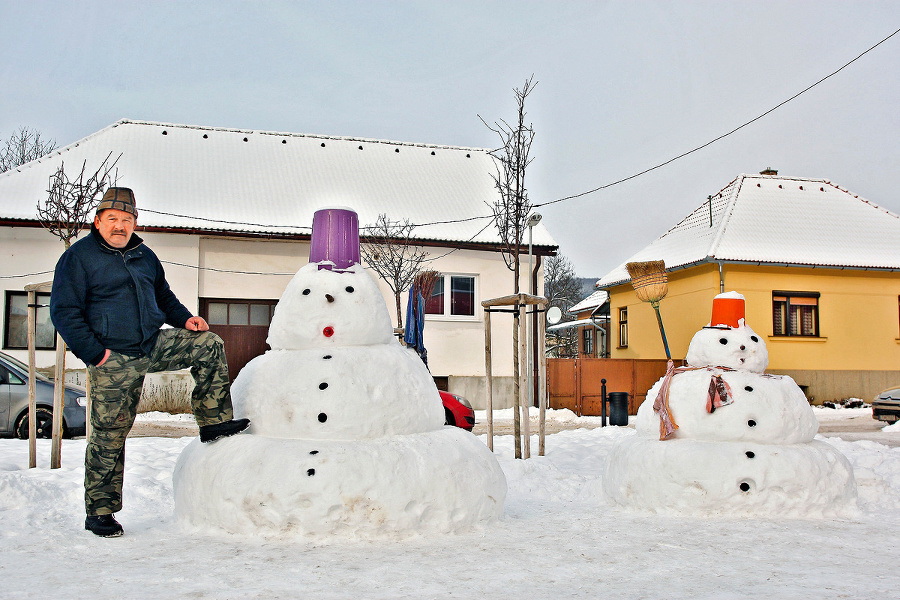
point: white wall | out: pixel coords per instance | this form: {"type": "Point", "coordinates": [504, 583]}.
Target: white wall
{"type": "Point", "coordinates": [181, 249]}
{"type": "Point", "coordinates": [248, 256]}
{"type": "Point", "coordinates": [25, 250]}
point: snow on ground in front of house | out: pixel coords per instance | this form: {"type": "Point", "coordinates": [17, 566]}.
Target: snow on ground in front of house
{"type": "Point", "coordinates": [559, 538]}
{"type": "Point", "coordinates": [823, 413]}
{"type": "Point", "coordinates": [156, 416]}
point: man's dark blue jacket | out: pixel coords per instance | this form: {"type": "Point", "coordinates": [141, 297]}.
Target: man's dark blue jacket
{"type": "Point", "coordinates": [105, 297]}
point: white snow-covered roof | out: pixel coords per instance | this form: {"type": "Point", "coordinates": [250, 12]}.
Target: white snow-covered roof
{"type": "Point", "coordinates": [578, 323]}
{"type": "Point", "coordinates": [596, 299]}
{"type": "Point", "coordinates": [234, 180]}
{"type": "Point", "coordinates": [777, 220]}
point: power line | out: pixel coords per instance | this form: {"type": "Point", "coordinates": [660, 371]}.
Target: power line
{"type": "Point", "coordinates": [724, 135]}
{"type": "Point", "coordinates": [304, 227]}
{"type": "Point", "coordinates": [199, 268]}
{"type": "Point", "coordinates": [25, 275]}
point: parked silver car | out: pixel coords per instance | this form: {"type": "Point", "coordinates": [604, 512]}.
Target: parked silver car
{"type": "Point", "coordinates": [886, 406]}
{"type": "Point", "coordinates": [14, 402]}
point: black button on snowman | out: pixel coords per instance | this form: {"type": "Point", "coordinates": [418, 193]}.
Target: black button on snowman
{"type": "Point", "coordinates": [347, 433]}
{"type": "Point", "coordinates": [736, 441]}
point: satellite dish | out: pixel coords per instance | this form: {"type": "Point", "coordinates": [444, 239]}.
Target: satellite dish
{"type": "Point", "coordinates": [554, 315]}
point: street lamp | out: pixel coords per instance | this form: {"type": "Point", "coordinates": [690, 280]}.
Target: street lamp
{"type": "Point", "coordinates": [533, 220]}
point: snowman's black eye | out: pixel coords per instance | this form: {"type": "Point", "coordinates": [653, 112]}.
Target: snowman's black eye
{"type": "Point", "coordinates": [306, 292]}
{"type": "Point", "coordinates": [723, 341]}
{"type": "Point", "coordinates": [754, 338]}
{"type": "Point", "coordinates": [349, 289]}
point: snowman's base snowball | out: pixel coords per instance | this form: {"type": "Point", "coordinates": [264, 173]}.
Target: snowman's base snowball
{"type": "Point", "coordinates": [694, 477]}
{"type": "Point", "coordinates": [445, 480]}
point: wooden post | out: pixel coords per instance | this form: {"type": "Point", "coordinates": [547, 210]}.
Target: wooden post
{"type": "Point", "coordinates": [489, 377]}
{"type": "Point", "coordinates": [578, 399]}
{"type": "Point", "coordinates": [517, 387]}
{"type": "Point", "coordinates": [59, 389]}
{"type": "Point", "coordinates": [523, 380]}
{"type": "Point", "coordinates": [32, 407]}
{"type": "Point", "coordinates": [520, 302]}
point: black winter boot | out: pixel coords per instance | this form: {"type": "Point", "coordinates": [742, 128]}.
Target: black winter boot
{"type": "Point", "coordinates": [210, 433]}
{"type": "Point", "coordinates": [103, 525]}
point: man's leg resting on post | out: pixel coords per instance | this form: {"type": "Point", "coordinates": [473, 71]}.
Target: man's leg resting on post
{"type": "Point", "coordinates": [115, 392]}
{"type": "Point", "coordinates": [204, 353]}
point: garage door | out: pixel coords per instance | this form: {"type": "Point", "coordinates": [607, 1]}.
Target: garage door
{"type": "Point", "coordinates": [242, 324]}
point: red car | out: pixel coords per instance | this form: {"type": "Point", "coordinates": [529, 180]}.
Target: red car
{"type": "Point", "coordinates": [458, 411]}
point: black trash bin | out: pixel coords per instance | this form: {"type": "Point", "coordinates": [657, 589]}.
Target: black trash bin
{"type": "Point", "coordinates": [618, 408]}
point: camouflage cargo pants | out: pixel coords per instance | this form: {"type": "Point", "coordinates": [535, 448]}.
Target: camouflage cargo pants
{"type": "Point", "coordinates": [116, 390]}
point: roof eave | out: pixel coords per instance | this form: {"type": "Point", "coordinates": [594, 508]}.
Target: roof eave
{"type": "Point", "coordinates": [756, 263]}
{"type": "Point", "coordinates": [537, 250]}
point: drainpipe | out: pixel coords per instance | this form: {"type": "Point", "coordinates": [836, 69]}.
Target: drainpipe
{"type": "Point", "coordinates": [721, 279]}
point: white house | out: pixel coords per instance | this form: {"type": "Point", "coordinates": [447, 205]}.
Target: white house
{"type": "Point", "coordinates": [229, 213]}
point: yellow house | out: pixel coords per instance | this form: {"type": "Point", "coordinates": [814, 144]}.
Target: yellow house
{"type": "Point", "coordinates": [819, 268]}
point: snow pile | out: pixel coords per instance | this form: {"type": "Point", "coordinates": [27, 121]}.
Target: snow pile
{"type": "Point", "coordinates": [744, 442]}
{"type": "Point", "coordinates": [559, 538]}
{"type": "Point", "coordinates": [347, 433]}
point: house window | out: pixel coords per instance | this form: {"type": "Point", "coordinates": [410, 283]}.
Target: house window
{"type": "Point", "coordinates": [460, 302]}
{"type": "Point", "coordinates": [623, 327]}
{"type": "Point", "coordinates": [795, 313]}
{"type": "Point", "coordinates": [15, 331]}
{"type": "Point", "coordinates": [588, 341]}
{"type": "Point", "coordinates": [241, 313]}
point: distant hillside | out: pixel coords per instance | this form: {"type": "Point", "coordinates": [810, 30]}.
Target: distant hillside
{"type": "Point", "coordinates": [587, 286]}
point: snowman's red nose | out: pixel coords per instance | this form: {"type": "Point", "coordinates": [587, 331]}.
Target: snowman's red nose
{"type": "Point", "coordinates": [328, 331]}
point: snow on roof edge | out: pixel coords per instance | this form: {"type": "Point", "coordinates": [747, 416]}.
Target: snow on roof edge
{"type": "Point", "coordinates": [315, 136]}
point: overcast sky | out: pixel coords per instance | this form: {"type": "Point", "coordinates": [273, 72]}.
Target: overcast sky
{"type": "Point", "coordinates": [622, 86]}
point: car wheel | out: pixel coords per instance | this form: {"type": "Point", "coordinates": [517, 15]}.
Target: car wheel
{"type": "Point", "coordinates": [448, 417]}
{"type": "Point", "coordinates": [44, 424]}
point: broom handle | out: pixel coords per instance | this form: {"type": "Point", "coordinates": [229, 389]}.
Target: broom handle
{"type": "Point", "coordinates": [662, 330]}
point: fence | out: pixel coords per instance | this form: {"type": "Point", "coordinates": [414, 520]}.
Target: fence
{"type": "Point", "coordinates": [575, 382]}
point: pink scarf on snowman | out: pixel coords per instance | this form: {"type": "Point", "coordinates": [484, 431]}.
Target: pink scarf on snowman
{"type": "Point", "coordinates": [718, 395]}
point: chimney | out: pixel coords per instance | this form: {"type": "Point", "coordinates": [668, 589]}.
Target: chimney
{"type": "Point", "coordinates": [769, 171]}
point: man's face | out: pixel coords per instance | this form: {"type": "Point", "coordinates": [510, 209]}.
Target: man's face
{"type": "Point", "coordinates": [116, 226]}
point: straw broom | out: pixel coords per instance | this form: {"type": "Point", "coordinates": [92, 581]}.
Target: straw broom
{"type": "Point", "coordinates": [651, 285]}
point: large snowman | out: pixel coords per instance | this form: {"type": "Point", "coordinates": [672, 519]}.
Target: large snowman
{"type": "Point", "coordinates": [722, 437]}
{"type": "Point", "coordinates": [347, 430]}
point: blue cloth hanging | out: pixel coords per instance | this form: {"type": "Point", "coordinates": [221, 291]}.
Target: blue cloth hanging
{"type": "Point", "coordinates": [415, 322]}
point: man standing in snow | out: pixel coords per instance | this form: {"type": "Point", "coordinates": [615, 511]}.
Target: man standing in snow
{"type": "Point", "coordinates": [109, 299]}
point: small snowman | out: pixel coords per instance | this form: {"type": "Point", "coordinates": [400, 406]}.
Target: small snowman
{"type": "Point", "coordinates": [722, 436]}
{"type": "Point", "coordinates": [347, 432]}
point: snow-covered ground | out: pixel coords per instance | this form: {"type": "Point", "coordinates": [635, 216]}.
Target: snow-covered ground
{"type": "Point", "coordinates": [559, 538]}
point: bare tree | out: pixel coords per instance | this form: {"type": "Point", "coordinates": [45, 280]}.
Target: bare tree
{"type": "Point", "coordinates": [24, 145]}
{"type": "Point", "coordinates": [512, 207]}
{"type": "Point", "coordinates": [563, 289]}
{"type": "Point", "coordinates": [70, 202]}
{"type": "Point", "coordinates": [512, 158]}
{"type": "Point", "coordinates": [389, 249]}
